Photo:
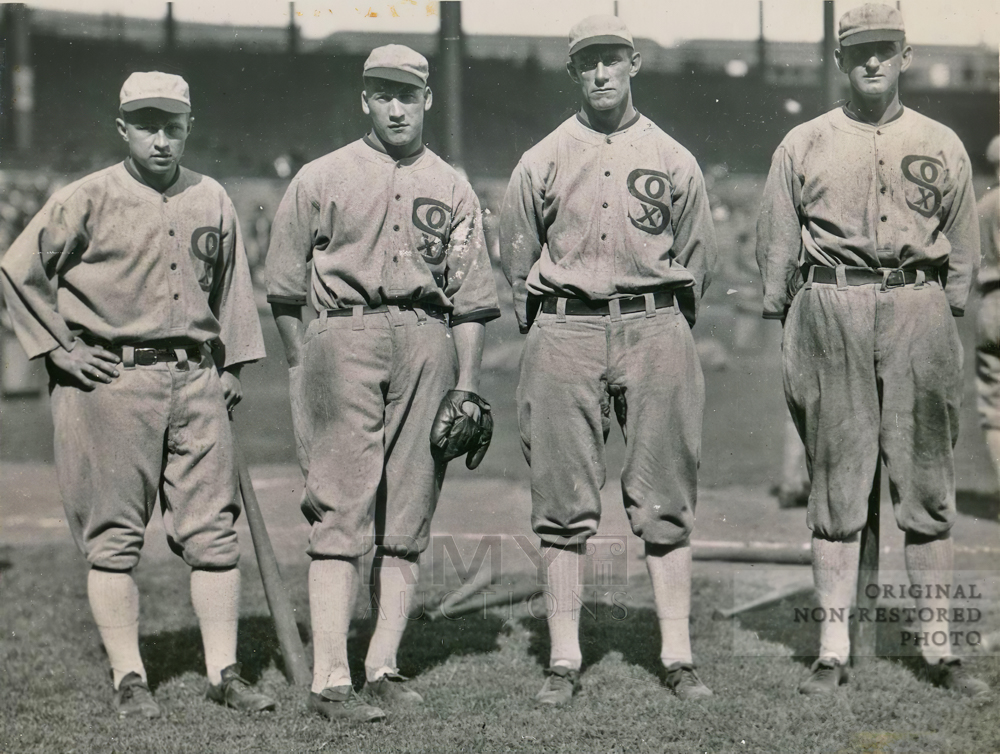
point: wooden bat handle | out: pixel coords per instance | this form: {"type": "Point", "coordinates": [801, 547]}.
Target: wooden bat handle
{"type": "Point", "coordinates": [296, 668]}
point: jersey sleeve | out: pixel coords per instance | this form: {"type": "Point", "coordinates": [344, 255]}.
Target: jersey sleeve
{"type": "Point", "coordinates": [522, 236]}
{"type": "Point", "coordinates": [232, 299]}
{"type": "Point", "coordinates": [694, 232]}
{"type": "Point", "coordinates": [30, 271]}
{"type": "Point", "coordinates": [779, 234]}
{"type": "Point", "coordinates": [290, 250]}
{"type": "Point", "coordinates": [470, 284]}
{"type": "Point", "coordinates": [961, 228]}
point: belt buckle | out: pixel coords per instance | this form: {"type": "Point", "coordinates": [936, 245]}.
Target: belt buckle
{"type": "Point", "coordinates": [894, 279]}
{"type": "Point", "coordinates": [145, 356]}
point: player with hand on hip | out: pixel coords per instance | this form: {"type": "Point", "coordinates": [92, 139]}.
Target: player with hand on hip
{"type": "Point", "coordinates": [133, 284]}
{"type": "Point", "coordinates": [606, 238]}
{"type": "Point", "coordinates": [387, 239]}
{"type": "Point", "coordinates": [867, 244]}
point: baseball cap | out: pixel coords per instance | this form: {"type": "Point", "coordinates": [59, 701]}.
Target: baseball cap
{"type": "Point", "coordinates": [872, 22]}
{"type": "Point", "coordinates": [164, 91]}
{"type": "Point", "coordinates": [599, 30]}
{"type": "Point", "coordinates": [397, 63]}
{"type": "Point", "coordinates": [993, 150]}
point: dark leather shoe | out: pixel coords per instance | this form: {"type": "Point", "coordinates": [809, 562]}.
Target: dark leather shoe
{"type": "Point", "coordinates": [827, 675]}
{"type": "Point", "coordinates": [560, 685]}
{"type": "Point", "coordinates": [951, 674]}
{"type": "Point", "coordinates": [236, 693]}
{"type": "Point", "coordinates": [133, 698]}
{"type": "Point", "coordinates": [343, 703]}
{"type": "Point", "coordinates": [685, 683]}
{"type": "Point", "coordinates": [391, 688]}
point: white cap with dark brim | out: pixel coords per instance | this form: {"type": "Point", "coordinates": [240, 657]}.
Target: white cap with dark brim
{"type": "Point", "coordinates": [872, 22]}
{"type": "Point", "coordinates": [397, 63]}
{"type": "Point", "coordinates": [599, 30]}
{"type": "Point", "coordinates": [164, 91]}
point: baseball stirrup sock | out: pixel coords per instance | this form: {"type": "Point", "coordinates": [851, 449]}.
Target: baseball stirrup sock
{"type": "Point", "coordinates": [395, 587]}
{"type": "Point", "coordinates": [929, 565]}
{"type": "Point", "coordinates": [835, 573]}
{"type": "Point", "coordinates": [670, 573]}
{"type": "Point", "coordinates": [563, 576]}
{"type": "Point", "coordinates": [215, 596]}
{"type": "Point", "coordinates": [333, 589]}
{"type": "Point", "coordinates": [114, 603]}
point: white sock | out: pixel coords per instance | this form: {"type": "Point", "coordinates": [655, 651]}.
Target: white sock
{"type": "Point", "coordinates": [333, 588]}
{"type": "Point", "coordinates": [395, 587]}
{"type": "Point", "coordinates": [215, 596]}
{"type": "Point", "coordinates": [993, 443]}
{"type": "Point", "coordinates": [835, 573]}
{"type": "Point", "coordinates": [929, 564]}
{"type": "Point", "coordinates": [563, 576]}
{"type": "Point", "coordinates": [670, 573]}
{"type": "Point", "coordinates": [114, 603]}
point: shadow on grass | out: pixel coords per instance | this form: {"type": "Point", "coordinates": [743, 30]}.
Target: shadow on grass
{"type": "Point", "coordinates": [604, 628]}
{"type": "Point", "coordinates": [979, 504]}
{"type": "Point", "coordinates": [172, 653]}
{"type": "Point", "coordinates": [427, 644]}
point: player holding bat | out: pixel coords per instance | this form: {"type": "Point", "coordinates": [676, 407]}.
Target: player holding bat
{"type": "Point", "coordinates": [133, 284]}
{"type": "Point", "coordinates": [388, 240]}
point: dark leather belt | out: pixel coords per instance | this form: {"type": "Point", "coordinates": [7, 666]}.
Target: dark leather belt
{"type": "Point", "coordinates": [404, 306]}
{"type": "Point", "coordinates": [579, 307]}
{"type": "Point", "coordinates": [869, 276]}
{"type": "Point", "coordinates": [989, 286]}
{"type": "Point", "coordinates": [147, 355]}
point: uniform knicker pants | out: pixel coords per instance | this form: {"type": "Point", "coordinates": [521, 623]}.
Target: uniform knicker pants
{"type": "Point", "coordinates": [864, 369]}
{"type": "Point", "coordinates": [571, 373]}
{"type": "Point", "coordinates": [363, 401]}
{"type": "Point", "coordinates": [158, 428]}
{"type": "Point", "coordinates": [988, 361]}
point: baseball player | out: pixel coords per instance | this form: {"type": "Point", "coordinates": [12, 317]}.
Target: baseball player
{"type": "Point", "coordinates": [988, 344]}
{"type": "Point", "coordinates": [606, 238]}
{"type": "Point", "coordinates": [387, 238]}
{"type": "Point", "coordinates": [133, 284]}
{"type": "Point", "coordinates": [867, 244]}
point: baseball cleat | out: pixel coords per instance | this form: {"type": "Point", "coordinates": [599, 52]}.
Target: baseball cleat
{"type": "Point", "coordinates": [133, 698]}
{"type": "Point", "coordinates": [951, 674]}
{"type": "Point", "coordinates": [343, 703]}
{"type": "Point", "coordinates": [560, 685]}
{"type": "Point", "coordinates": [236, 693]}
{"type": "Point", "coordinates": [685, 683]}
{"type": "Point", "coordinates": [391, 688]}
{"type": "Point", "coordinates": [826, 676]}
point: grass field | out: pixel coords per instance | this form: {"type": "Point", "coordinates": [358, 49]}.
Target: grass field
{"type": "Point", "coordinates": [478, 675]}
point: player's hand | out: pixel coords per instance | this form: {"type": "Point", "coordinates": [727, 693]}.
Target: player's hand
{"type": "Point", "coordinates": [88, 365]}
{"type": "Point", "coordinates": [232, 389]}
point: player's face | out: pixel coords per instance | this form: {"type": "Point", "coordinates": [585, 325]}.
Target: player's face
{"type": "Point", "coordinates": [873, 68]}
{"type": "Point", "coordinates": [397, 111]}
{"type": "Point", "coordinates": [603, 73]}
{"type": "Point", "coordinates": [155, 139]}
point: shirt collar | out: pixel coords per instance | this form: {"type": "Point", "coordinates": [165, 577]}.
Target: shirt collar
{"type": "Point", "coordinates": [373, 142]}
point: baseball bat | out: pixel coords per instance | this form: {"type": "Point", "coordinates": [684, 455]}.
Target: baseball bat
{"type": "Point", "coordinates": [766, 600]}
{"type": "Point", "coordinates": [864, 633]}
{"type": "Point", "coordinates": [296, 668]}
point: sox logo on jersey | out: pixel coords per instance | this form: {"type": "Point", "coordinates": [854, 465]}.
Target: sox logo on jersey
{"type": "Point", "coordinates": [205, 248]}
{"type": "Point", "coordinates": [433, 219]}
{"type": "Point", "coordinates": [648, 186]}
{"type": "Point", "coordinates": [923, 171]}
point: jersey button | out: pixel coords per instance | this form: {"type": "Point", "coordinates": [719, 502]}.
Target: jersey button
{"type": "Point", "coordinates": [173, 265]}
{"type": "Point", "coordinates": [164, 200]}
{"type": "Point", "coordinates": [607, 173]}
{"type": "Point", "coordinates": [603, 236]}
{"type": "Point", "coordinates": [171, 232]}
{"type": "Point", "coordinates": [397, 197]}
{"type": "Point", "coordinates": [607, 140]}
{"type": "Point", "coordinates": [882, 190]}
{"type": "Point", "coordinates": [883, 218]}
{"type": "Point", "coordinates": [881, 162]}
{"type": "Point", "coordinates": [605, 205]}
{"type": "Point", "coordinates": [176, 296]}
{"type": "Point", "coordinates": [395, 227]}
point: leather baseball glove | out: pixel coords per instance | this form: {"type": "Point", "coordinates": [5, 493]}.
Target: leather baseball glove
{"type": "Point", "coordinates": [455, 433]}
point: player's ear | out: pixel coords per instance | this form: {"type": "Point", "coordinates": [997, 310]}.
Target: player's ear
{"type": "Point", "coordinates": [907, 54]}
{"type": "Point", "coordinates": [120, 125]}
{"type": "Point", "coordinates": [838, 55]}
{"type": "Point", "coordinates": [364, 103]}
{"type": "Point", "coordinates": [428, 98]}
{"type": "Point", "coordinates": [636, 64]}
{"type": "Point", "coordinates": [190, 123]}
{"type": "Point", "coordinates": [571, 70]}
